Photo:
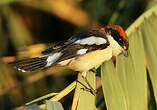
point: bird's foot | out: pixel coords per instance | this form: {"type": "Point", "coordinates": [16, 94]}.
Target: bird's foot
{"type": "Point", "coordinates": [85, 88]}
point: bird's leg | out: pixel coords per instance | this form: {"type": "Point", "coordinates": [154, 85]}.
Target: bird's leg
{"type": "Point", "coordinates": [85, 87]}
{"type": "Point", "coordinates": [90, 89]}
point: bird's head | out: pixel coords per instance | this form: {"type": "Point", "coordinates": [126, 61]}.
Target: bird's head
{"type": "Point", "coordinates": [118, 35]}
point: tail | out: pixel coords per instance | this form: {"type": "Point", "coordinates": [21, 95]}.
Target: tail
{"type": "Point", "coordinates": [30, 64]}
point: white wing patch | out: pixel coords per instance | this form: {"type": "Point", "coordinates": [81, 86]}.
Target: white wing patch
{"type": "Point", "coordinates": [82, 51]}
{"type": "Point", "coordinates": [91, 40]}
{"type": "Point", "coordinates": [21, 70]}
{"type": "Point", "coordinates": [53, 58]}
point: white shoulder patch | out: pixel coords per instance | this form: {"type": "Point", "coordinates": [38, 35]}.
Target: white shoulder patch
{"type": "Point", "coordinates": [21, 70]}
{"type": "Point", "coordinates": [91, 40]}
{"type": "Point", "coordinates": [53, 58]}
{"type": "Point", "coordinates": [82, 51]}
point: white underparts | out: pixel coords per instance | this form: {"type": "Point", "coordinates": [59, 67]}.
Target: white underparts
{"type": "Point", "coordinates": [82, 51]}
{"type": "Point", "coordinates": [53, 58]}
{"type": "Point", "coordinates": [91, 40]}
{"type": "Point", "coordinates": [87, 61]}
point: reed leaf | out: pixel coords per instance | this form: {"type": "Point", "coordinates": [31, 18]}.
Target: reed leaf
{"type": "Point", "coordinates": [125, 85]}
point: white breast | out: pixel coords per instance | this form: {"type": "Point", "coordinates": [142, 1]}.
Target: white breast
{"type": "Point", "coordinates": [116, 48]}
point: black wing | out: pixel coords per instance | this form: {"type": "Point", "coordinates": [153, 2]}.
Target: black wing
{"type": "Point", "coordinates": [72, 49]}
{"type": "Point", "coordinates": [61, 45]}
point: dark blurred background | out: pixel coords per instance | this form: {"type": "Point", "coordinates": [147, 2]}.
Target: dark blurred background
{"type": "Point", "coordinates": [27, 27]}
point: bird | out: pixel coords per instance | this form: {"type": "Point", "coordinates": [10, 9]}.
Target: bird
{"type": "Point", "coordinates": [82, 52]}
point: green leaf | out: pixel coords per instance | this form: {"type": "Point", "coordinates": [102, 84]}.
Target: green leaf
{"type": "Point", "coordinates": [132, 74]}
{"type": "Point", "coordinates": [149, 39]}
{"type": "Point", "coordinates": [55, 96]}
{"type": "Point", "coordinates": [48, 96]}
{"type": "Point", "coordinates": [146, 26]}
{"type": "Point", "coordinates": [53, 105]}
{"type": "Point", "coordinates": [64, 92]}
{"type": "Point", "coordinates": [125, 85]}
{"type": "Point", "coordinates": [113, 92]}
{"type": "Point", "coordinates": [84, 100]}
{"type": "Point", "coordinates": [29, 107]}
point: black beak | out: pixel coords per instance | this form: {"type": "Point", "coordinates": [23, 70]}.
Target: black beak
{"type": "Point", "coordinates": [125, 52]}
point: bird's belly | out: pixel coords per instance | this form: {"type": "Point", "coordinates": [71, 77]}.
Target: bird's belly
{"type": "Point", "coordinates": [89, 60]}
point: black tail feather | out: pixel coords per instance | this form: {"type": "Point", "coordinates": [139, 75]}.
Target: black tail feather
{"type": "Point", "coordinates": [30, 64]}
{"type": "Point", "coordinates": [34, 67]}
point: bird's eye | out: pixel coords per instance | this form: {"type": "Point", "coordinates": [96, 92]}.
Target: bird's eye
{"type": "Point", "coordinates": [120, 40]}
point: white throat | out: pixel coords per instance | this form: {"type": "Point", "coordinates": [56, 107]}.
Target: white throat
{"type": "Point", "coordinates": [116, 48]}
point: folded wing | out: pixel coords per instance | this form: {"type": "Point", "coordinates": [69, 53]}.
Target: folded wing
{"type": "Point", "coordinates": [78, 45]}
